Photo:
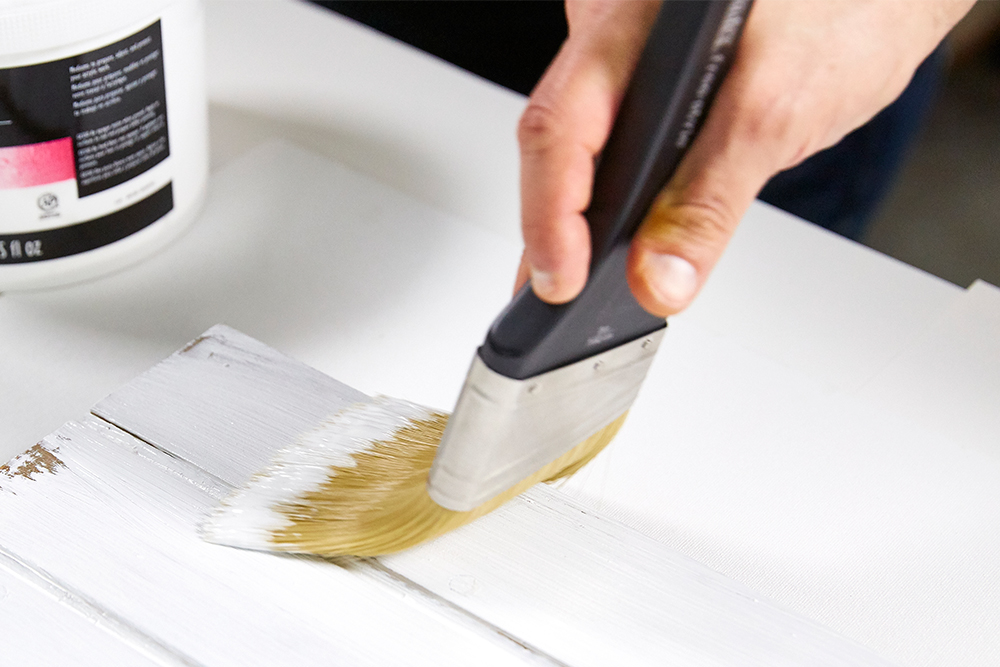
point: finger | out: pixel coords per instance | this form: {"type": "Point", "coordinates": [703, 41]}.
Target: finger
{"type": "Point", "coordinates": [566, 123]}
{"type": "Point", "coordinates": [564, 126]}
{"type": "Point", "coordinates": [556, 178]}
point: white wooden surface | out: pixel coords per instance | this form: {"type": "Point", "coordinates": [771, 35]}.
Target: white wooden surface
{"type": "Point", "coordinates": [591, 591]}
{"type": "Point", "coordinates": [947, 380]}
{"type": "Point", "coordinates": [41, 628]}
{"type": "Point", "coordinates": [751, 404]}
{"type": "Point", "coordinates": [130, 513]}
{"type": "Point", "coordinates": [574, 587]}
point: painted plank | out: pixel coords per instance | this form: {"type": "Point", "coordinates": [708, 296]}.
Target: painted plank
{"type": "Point", "coordinates": [591, 592]}
{"type": "Point", "coordinates": [130, 513]}
{"type": "Point", "coordinates": [39, 628]}
{"type": "Point", "coordinates": [225, 362]}
{"type": "Point", "coordinates": [45, 622]}
{"type": "Point", "coordinates": [571, 583]}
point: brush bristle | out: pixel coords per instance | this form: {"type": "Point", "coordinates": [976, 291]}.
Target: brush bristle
{"type": "Point", "coordinates": [357, 486]}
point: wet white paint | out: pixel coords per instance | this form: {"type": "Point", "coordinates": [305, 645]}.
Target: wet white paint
{"type": "Point", "coordinates": [252, 513]}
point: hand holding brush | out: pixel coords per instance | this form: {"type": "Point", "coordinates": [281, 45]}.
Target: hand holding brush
{"type": "Point", "coordinates": [806, 74]}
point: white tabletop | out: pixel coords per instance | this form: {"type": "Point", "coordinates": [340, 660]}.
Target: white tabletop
{"type": "Point", "coordinates": [776, 439]}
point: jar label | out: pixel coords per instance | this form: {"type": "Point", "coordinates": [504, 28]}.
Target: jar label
{"type": "Point", "coordinates": [79, 140]}
{"type": "Point", "coordinates": [84, 236]}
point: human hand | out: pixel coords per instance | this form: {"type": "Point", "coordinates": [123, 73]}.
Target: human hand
{"type": "Point", "coordinates": [805, 75]}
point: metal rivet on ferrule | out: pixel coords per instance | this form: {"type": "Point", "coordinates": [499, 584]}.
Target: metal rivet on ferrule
{"type": "Point", "coordinates": [598, 365]}
{"type": "Point", "coordinates": [533, 388]}
{"type": "Point", "coordinates": [646, 343]}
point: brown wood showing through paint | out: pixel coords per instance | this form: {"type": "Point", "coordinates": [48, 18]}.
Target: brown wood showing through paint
{"type": "Point", "coordinates": [31, 463]}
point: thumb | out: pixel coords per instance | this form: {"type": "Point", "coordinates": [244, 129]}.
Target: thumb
{"type": "Point", "coordinates": [692, 219]}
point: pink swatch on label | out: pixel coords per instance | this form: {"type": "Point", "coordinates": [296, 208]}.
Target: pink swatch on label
{"type": "Point", "coordinates": [36, 164]}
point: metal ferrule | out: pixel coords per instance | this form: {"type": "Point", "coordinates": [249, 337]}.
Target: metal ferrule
{"type": "Point", "coordinates": [503, 430]}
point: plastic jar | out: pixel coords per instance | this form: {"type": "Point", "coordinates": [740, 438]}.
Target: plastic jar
{"type": "Point", "coordinates": [103, 134]}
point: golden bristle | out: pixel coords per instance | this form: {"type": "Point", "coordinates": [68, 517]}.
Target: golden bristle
{"type": "Point", "coordinates": [381, 504]}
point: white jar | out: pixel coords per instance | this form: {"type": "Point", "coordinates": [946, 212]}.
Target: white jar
{"type": "Point", "coordinates": [103, 134]}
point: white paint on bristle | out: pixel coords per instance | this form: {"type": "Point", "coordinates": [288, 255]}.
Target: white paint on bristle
{"type": "Point", "coordinates": [249, 516]}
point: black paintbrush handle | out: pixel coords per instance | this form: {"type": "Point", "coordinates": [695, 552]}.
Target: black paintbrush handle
{"type": "Point", "coordinates": [685, 58]}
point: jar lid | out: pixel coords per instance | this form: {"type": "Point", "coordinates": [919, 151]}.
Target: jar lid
{"type": "Point", "coordinates": [28, 26]}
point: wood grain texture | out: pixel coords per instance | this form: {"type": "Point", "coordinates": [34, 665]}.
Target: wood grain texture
{"type": "Point", "coordinates": [568, 582]}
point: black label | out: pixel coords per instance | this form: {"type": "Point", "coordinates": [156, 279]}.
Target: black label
{"type": "Point", "coordinates": [111, 102]}
{"type": "Point", "coordinates": [83, 236]}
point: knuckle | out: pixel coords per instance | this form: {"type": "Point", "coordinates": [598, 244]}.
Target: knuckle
{"type": "Point", "coordinates": [709, 219]}
{"type": "Point", "coordinates": [765, 118]}
{"type": "Point", "coordinates": [699, 220]}
{"type": "Point", "coordinates": [778, 120]}
{"type": "Point", "coordinates": [539, 128]}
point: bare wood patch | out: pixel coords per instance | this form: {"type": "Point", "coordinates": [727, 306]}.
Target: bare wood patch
{"type": "Point", "coordinates": [31, 463]}
{"type": "Point", "coordinates": [190, 346]}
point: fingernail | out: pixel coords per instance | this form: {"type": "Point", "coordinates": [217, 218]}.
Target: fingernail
{"type": "Point", "coordinates": [672, 279]}
{"type": "Point", "coordinates": [543, 282]}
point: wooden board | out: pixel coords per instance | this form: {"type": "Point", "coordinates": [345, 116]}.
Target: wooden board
{"type": "Point", "coordinates": [44, 625]}
{"type": "Point", "coordinates": [113, 521]}
{"type": "Point", "coordinates": [574, 586]}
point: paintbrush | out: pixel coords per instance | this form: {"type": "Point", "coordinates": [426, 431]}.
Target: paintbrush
{"type": "Point", "coordinates": [551, 384]}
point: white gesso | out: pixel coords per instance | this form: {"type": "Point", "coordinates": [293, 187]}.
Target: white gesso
{"type": "Point", "coordinates": [103, 134]}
